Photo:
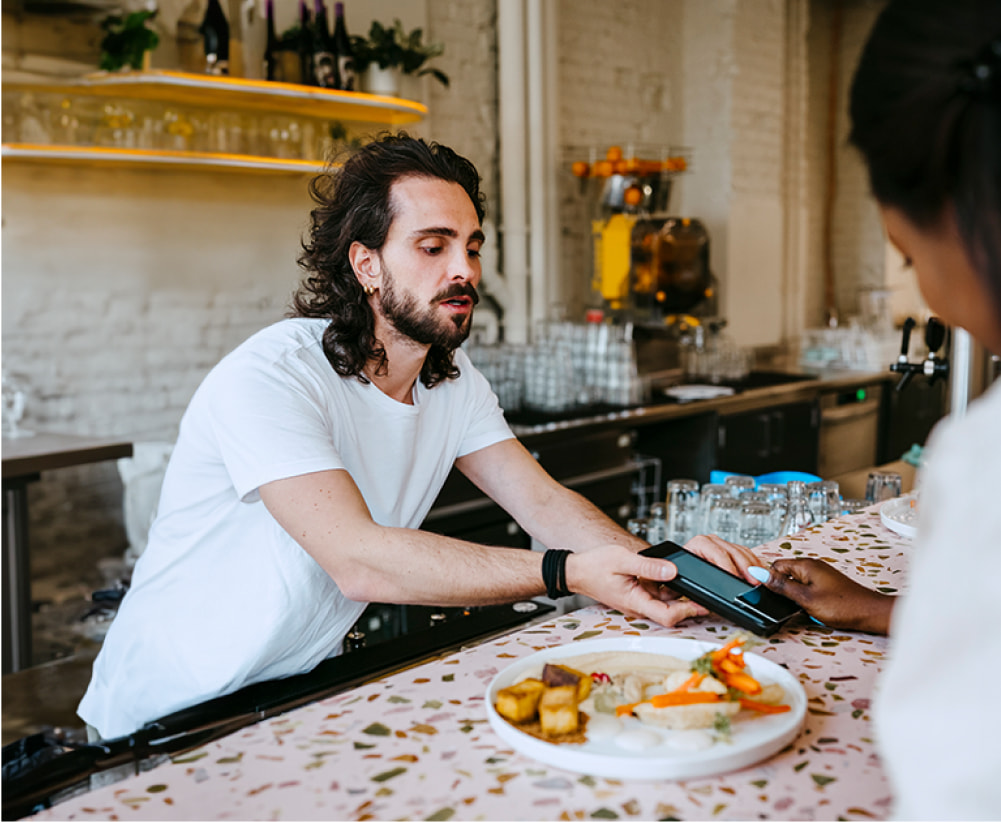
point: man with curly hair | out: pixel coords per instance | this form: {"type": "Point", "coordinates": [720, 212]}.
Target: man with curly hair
{"type": "Point", "coordinates": [310, 455]}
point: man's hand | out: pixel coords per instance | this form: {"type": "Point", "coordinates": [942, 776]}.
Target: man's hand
{"type": "Point", "coordinates": [620, 578]}
{"type": "Point", "coordinates": [828, 595]}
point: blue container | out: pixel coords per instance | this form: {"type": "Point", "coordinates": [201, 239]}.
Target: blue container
{"type": "Point", "coordinates": [778, 477]}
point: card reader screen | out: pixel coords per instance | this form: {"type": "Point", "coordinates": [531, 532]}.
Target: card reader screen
{"type": "Point", "coordinates": [709, 576]}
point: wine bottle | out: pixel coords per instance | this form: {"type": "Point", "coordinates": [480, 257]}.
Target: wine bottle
{"type": "Point", "coordinates": [342, 48]}
{"type": "Point", "coordinates": [324, 65]}
{"type": "Point", "coordinates": [272, 62]}
{"type": "Point", "coordinates": [215, 34]}
{"type": "Point", "coordinates": [305, 45]}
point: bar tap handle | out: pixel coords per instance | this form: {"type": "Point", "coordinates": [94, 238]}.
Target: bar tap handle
{"type": "Point", "coordinates": [902, 366]}
{"type": "Point", "coordinates": [934, 334]}
{"type": "Point", "coordinates": [935, 366]}
{"type": "Point", "coordinates": [905, 342]}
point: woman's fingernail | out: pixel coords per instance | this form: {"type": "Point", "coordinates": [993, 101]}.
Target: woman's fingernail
{"type": "Point", "coordinates": [759, 573]}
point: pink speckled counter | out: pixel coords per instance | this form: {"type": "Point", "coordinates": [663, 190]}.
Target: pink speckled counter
{"type": "Point", "coordinates": [417, 744]}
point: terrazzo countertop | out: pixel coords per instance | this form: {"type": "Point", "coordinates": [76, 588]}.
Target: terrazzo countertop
{"type": "Point", "coordinates": [418, 744]}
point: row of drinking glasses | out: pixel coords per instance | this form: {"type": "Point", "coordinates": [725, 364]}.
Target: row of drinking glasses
{"type": "Point", "coordinates": [53, 119]}
{"type": "Point", "coordinates": [739, 511]}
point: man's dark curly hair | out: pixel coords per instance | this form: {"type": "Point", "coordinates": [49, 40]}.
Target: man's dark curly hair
{"type": "Point", "coordinates": [353, 203]}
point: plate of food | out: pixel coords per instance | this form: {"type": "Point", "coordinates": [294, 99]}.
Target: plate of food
{"type": "Point", "coordinates": [900, 515]}
{"type": "Point", "coordinates": [647, 707]}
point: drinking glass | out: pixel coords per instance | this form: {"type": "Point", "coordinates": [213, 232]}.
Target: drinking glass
{"type": "Point", "coordinates": [824, 499]}
{"type": "Point", "coordinates": [637, 527]}
{"type": "Point", "coordinates": [739, 484]}
{"type": "Point", "coordinates": [774, 491]}
{"type": "Point", "coordinates": [707, 494]}
{"type": "Point", "coordinates": [14, 397]}
{"type": "Point", "coordinates": [882, 485]}
{"type": "Point", "coordinates": [656, 526]}
{"type": "Point", "coordinates": [755, 524]}
{"type": "Point", "coordinates": [853, 506]}
{"type": "Point", "coordinates": [682, 510]}
{"type": "Point", "coordinates": [724, 518]}
{"type": "Point", "coordinates": [798, 514]}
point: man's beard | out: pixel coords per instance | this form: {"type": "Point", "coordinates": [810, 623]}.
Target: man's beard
{"type": "Point", "coordinates": [423, 325]}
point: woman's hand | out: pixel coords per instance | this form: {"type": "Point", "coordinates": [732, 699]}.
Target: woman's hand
{"type": "Point", "coordinates": [828, 595]}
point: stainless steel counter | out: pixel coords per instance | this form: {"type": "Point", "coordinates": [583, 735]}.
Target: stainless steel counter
{"type": "Point", "coordinates": [801, 387]}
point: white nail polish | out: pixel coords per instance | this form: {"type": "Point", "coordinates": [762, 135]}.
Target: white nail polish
{"type": "Point", "coordinates": [759, 573]}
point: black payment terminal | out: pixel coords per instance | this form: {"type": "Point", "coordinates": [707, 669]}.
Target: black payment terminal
{"type": "Point", "coordinates": [753, 607]}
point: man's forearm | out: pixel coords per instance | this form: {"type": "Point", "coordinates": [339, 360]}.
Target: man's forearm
{"type": "Point", "coordinates": [566, 519]}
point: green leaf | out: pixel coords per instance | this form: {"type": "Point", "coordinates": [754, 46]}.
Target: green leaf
{"type": "Point", "coordinates": [822, 780]}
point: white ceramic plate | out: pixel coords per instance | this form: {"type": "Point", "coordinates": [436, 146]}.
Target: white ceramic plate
{"type": "Point", "coordinates": [689, 393]}
{"type": "Point", "coordinates": [900, 515]}
{"type": "Point", "coordinates": [754, 737]}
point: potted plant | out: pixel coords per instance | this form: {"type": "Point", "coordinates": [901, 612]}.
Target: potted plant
{"type": "Point", "coordinates": [387, 53]}
{"type": "Point", "coordinates": [127, 41]}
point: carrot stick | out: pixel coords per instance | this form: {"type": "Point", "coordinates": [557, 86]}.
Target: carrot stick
{"type": "Point", "coordinates": [764, 708]}
{"type": "Point", "coordinates": [743, 682]}
{"type": "Point", "coordinates": [625, 710]}
{"type": "Point", "coordinates": [721, 653]}
{"type": "Point", "coordinates": [730, 665]}
{"type": "Point", "coordinates": [692, 682]}
{"type": "Point", "coordinates": [683, 698]}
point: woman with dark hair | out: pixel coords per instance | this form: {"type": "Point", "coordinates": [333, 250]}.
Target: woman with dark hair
{"type": "Point", "coordinates": [926, 117]}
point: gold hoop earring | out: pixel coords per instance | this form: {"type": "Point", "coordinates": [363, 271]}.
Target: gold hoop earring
{"type": "Point", "coordinates": [369, 290]}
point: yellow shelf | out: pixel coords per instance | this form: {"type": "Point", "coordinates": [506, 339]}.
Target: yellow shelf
{"type": "Point", "coordinates": [142, 158]}
{"type": "Point", "coordinates": [354, 113]}
{"type": "Point", "coordinates": [237, 93]}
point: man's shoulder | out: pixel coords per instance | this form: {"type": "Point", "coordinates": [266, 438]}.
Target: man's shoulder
{"type": "Point", "coordinates": [280, 340]}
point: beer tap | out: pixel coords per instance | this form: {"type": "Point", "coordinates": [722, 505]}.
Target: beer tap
{"type": "Point", "coordinates": [932, 366]}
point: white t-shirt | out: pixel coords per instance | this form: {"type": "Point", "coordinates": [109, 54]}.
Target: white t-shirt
{"type": "Point", "coordinates": [222, 596]}
{"type": "Point", "coordinates": [937, 715]}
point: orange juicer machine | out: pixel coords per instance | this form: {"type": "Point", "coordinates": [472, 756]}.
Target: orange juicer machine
{"type": "Point", "coordinates": [648, 265]}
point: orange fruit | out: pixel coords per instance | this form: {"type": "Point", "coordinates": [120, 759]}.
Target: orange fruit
{"type": "Point", "coordinates": [632, 196]}
{"type": "Point", "coordinates": [614, 153]}
{"type": "Point", "coordinates": [580, 169]}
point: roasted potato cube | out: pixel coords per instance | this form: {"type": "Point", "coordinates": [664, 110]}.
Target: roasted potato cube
{"type": "Point", "coordinates": [557, 675]}
{"type": "Point", "coordinates": [520, 702]}
{"type": "Point", "coordinates": [558, 710]}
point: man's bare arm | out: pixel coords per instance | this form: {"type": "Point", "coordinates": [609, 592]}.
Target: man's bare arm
{"type": "Point", "coordinates": [326, 514]}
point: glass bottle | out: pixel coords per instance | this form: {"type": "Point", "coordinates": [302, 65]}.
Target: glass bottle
{"type": "Point", "coordinates": [325, 72]}
{"type": "Point", "coordinates": [343, 51]}
{"type": "Point", "coordinates": [215, 34]}
{"type": "Point", "coordinates": [272, 61]}
{"type": "Point", "coordinates": [305, 45]}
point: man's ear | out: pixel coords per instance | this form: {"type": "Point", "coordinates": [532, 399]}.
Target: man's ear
{"type": "Point", "coordinates": [366, 264]}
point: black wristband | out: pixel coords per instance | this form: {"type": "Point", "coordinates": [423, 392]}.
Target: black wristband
{"type": "Point", "coordinates": [554, 573]}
